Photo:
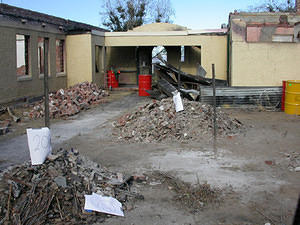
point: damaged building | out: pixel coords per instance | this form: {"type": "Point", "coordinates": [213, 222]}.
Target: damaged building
{"type": "Point", "coordinates": [256, 51]}
{"type": "Point", "coordinates": [133, 49]}
{"type": "Point", "coordinates": [264, 48]}
{"type": "Point", "coordinates": [23, 33]}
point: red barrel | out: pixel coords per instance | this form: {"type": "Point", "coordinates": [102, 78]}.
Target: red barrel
{"type": "Point", "coordinates": [111, 79]}
{"type": "Point", "coordinates": [283, 95]}
{"type": "Point", "coordinates": [145, 82]}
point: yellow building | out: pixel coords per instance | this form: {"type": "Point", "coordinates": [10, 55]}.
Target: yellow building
{"type": "Point", "coordinates": [85, 59]}
{"type": "Point", "coordinates": [132, 50]}
{"type": "Point", "coordinates": [257, 49]}
{"type": "Point", "coordinates": [264, 48]}
{"type": "Point", "coordinates": [73, 49]}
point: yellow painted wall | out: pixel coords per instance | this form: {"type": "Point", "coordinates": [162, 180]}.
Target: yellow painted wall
{"type": "Point", "coordinates": [214, 51]}
{"type": "Point", "coordinates": [213, 48]}
{"type": "Point", "coordinates": [261, 63]}
{"type": "Point", "coordinates": [122, 58]}
{"type": "Point", "coordinates": [79, 58]}
{"type": "Point", "coordinates": [264, 64]}
{"type": "Point", "coordinates": [192, 56]}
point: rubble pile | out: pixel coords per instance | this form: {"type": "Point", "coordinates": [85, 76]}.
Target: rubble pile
{"type": "Point", "coordinates": [68, 102]}
{"type": "Point", "coordinates": [168, 79]}
{"type": "Point", "coordinates": [294, 161]}
{"type": "Point", "coordinates": [158, 121]}
{"type": "Point", "coordinates": [4, 126]}
{"type": "Point", "coordinates": [53, 193]}
{"type": "Point", "coordinates": [7, 116]}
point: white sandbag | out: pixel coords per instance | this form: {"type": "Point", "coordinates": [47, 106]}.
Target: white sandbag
{"type": "Point", "coordinates": [39, 143]}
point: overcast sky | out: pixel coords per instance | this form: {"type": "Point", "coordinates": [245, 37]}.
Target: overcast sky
{"type": "Point", "coordinates": [195, 14]}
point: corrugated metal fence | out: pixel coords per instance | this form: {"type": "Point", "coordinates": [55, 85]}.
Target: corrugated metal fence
{"type": "Point", "coordinates": [236, 96]}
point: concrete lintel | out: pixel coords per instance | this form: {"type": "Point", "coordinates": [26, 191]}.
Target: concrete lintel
{"type": "Point", "coordinates": [98, 33]}
{"type": "Point", "coordinates": [167, 33]}
{"type": "Point", "coordinates": [131, 33]}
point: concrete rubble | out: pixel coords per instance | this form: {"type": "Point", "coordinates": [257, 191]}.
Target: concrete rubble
{"type": "Point", "coordinates": [68, 102]}
{"type": "Point", "coordinates": [4, 126]}
{"type": "Point", "coordinates": [293, 161]}
{"type": "Point", "coordinates": [6, 119]}
{"type": "Point", "coordinates": [53, 193]}
{"type": "Point", "coordinates": [157, 121]}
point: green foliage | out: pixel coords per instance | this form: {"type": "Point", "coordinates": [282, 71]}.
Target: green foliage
{"type": "Point", "coordinates": [124, 15]}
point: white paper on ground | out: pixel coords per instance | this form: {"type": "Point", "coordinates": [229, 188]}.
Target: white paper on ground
{"type": "Point", "coordinates": [103, 204]}
{"type": "Point", "coordinates": [39, 143]}
{"type": "Point", "coordinates": [177, 101]}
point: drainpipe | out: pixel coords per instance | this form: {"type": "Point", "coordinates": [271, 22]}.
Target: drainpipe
{"type": "Point", "coordinates": [228, 59]}
{"type": "Point", "coordinates": [229, 52]}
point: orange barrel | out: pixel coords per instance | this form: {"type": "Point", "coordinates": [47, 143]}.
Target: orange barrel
{"type": "Point", "coordinates": [145, 82]}
{"type": "Point", "coordinates": [292, 97]}
{"type": "Point", "coordinates": [283, 95]}
{"type": "Point", "coordinates": [111, 79]}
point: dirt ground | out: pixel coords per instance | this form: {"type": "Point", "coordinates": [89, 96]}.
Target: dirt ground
{"type": "Point", "coordinates": [255, 171]}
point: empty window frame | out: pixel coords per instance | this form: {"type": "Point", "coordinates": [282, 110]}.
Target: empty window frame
{"type": "Point", "coordinates": [97, 58]}
{"type": "Point", "coordinates": [60, 56]}
{"type": "Point", "coordinates": [41, 55]}
{"type": "Point", "coordinates": [22, 54]}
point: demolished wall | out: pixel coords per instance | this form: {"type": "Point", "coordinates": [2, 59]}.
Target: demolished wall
{"type": "Point", "coordinates": [13, 87]}
{"type": "Point", "coordinates": [263, 54]}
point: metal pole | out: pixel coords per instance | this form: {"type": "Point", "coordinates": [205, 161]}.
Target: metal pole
{"type": "Point", "coordinates": [179, 76]}
{"type": "Point", "coordinates": [214, 101]}
{"type": "Point", "coordinates": [137, 58]}
{"type": "Point", "coordinates": [46, 88]}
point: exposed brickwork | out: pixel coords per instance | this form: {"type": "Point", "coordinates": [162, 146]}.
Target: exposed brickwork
{"type": "Point", "coordinates": [253, 34]}
{"type": "Point", "coordinates": [60, 56]}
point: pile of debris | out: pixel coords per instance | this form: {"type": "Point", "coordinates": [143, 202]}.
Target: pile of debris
{"type": "Point", "coordinates": [171, 79]}
{"type": "Point", "coordinates": [68, 102]}
{"type": "Point", "coordinates": [53, 193]}
{"type": "Point", "coordinates": [4, 126]}
{"type": "Point", "coordinates": [294, 161]}
{"type": "Point", "coordinates": [158, 121]}
{"type": "Point", "coordinates": [6, 119]}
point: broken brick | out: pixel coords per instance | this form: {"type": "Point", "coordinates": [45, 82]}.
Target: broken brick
{"type": "Point", "coordinates": [70, 101]}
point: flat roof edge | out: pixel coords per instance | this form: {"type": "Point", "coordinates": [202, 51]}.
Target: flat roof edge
{"type": "Point", "coordinates": [168, 33]}
{"type": "Point", "coordinates": [264, 14]}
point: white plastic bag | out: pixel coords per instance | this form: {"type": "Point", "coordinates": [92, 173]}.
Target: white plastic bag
{"type": "Point", "coordinates": [39, 143]}
{"type": "Point", "coordinates": [103, 204]}
{"type": "Point", "coordinates": [177, 101]}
